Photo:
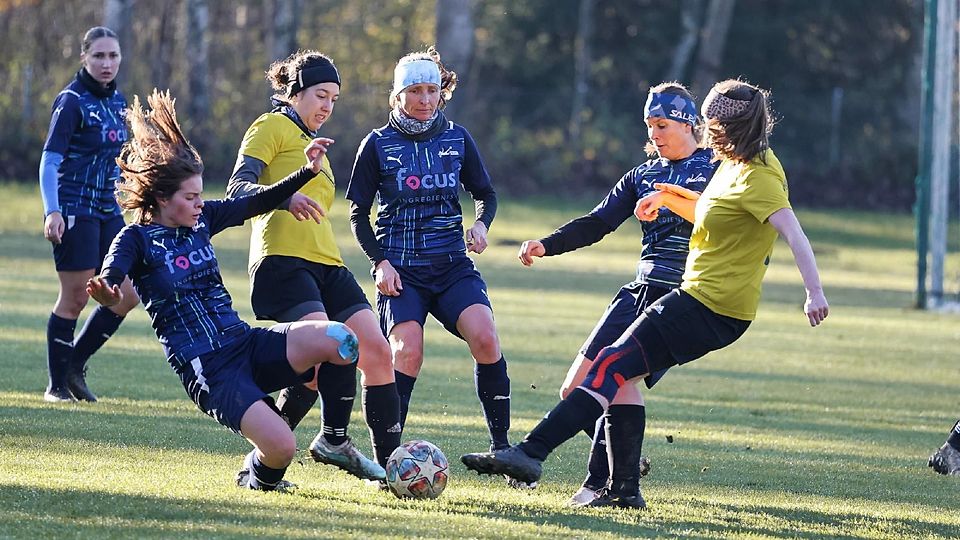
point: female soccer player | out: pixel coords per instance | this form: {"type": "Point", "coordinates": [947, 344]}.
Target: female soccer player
{"type": "Point", "coordinates": [297, 273]}
{"type": "Point", "coordinates": [414, 166]}
{"type": "Point", "coordinates": [946, 460]}
{"type": "Point", "coordinates": [226, 367]}
{"type": "Point", "coordinates": [735, 223]}
{"type": "Point", "coordinates": [77, 178]}
{"type": "Point", "coordinates": [675, 129]}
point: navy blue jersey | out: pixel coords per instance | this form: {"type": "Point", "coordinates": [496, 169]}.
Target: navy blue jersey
{"type": "Point", "coordinates": [417, 187]}
{"type": "Point", "coordinates": [666, 239]}
{"type": "Point", "coordinates": [88, 131]}
{"type": "Point", "coordinates": [175, 272]}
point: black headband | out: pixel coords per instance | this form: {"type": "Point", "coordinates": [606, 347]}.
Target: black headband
{"type": "Point", "coordinates": [316, 74]}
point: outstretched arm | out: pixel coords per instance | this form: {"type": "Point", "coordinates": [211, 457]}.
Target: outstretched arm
{"type": "Point", "coordinates": [680, 200]}
{"type": "Point", "coordinates": [785, 222]}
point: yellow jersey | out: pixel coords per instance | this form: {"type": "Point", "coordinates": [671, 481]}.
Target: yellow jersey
{"type": "Point", "coordinates": [276, 140]}
{"type": "Point", "coordinates": [732, 240]}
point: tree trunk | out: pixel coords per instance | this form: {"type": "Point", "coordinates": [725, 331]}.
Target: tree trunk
{"type": "Point", "coordinates": [690, 19]}
{"type": "Point", "coordinates": [712, 42]}
{"type": "Point", "coordinates": [117, 17]}
{"type": "Point", "coordinates": [455, 40]}
{"type": "Point", "coordinates": [283, 32]}
{"type": "Point", "coordinates": [198, 23]}
{"type": "Point", "coordinates": [581, 69]}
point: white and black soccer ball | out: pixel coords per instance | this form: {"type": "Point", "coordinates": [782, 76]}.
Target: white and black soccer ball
{"type": "Point", "coordinates": [417, 469]}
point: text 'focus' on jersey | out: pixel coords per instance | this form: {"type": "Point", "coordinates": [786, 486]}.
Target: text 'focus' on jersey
{"type": "Point", "coordinates": [88, 131]}
{"type": "Point", "coordinates": [175, 272]}
{"type": "Point", "coordinates": [417, 185]}
{"type": "Point", "coordinates": [665, 239]}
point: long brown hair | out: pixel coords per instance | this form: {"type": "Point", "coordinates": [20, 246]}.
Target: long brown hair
{"type": "Point", "coordinates": [745, 135]}
{"type": "Point", "coordinates": [156, 159]}
{"type": "Point", "coordinates": [448, 78]}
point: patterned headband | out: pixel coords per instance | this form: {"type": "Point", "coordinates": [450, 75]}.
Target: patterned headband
{"type": "Point", "coordinates": [672, 107]}
{"type": "Point", "coordinates": [721, 107]}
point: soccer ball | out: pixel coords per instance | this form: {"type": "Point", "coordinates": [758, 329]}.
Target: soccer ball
{"type": "Point", "coordinates": [417, 469]}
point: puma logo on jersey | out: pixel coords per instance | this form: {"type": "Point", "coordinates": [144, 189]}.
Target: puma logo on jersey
{"type": "Point", "coordinates": [395, 158]}
{"type": "Point", "coordinates": [159, 243]}
{"type": "Point", "coordinates": [95, 115]}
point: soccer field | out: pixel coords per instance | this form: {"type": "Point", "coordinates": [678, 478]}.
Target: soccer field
{"type": "Point", "coordinates": [791, 432]}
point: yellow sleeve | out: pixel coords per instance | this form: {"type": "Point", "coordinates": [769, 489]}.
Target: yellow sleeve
{"type": "Point", "coordinates": [263, 139]}
{"type": "Point", "coordinates": [765, 194]}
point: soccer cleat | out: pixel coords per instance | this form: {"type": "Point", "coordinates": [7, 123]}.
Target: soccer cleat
{"type": "Point", "coordinates": [380, 485]}
{"type": "Point", "coordinates": [946, 460]}
{"type": "Point", "coordinates": [517, 484]}
{"type": "Point", "coordinates": [607, 498]}
{"type": "Point", "coordinates": [58, 395]}
{"type": "Point", "coordinates": [582, 497]}
{"type": "Point", "coordinates": [77, 383]}
{"type": "Point", "coordinates": [346, 457]}
{"type": "Point", "coordinates": [644, 466]}
{"type": "Point", "coordinates": [512, 462]}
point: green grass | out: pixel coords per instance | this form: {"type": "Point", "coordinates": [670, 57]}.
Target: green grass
{"type": "Point", "coordinates": [791, 432]}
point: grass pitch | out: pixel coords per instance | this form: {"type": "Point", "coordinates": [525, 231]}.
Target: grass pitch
{"type": "Point", "coordinates": [791, 432]}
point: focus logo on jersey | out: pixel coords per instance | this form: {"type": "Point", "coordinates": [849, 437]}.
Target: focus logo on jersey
{"type": "Point", "coordinates": [186, 260]}
{"type": "Point", "coordinates": [430, 181]}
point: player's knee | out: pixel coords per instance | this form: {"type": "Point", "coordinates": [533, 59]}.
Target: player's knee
{"type": "Point", "coordinates": [565, 390]}
{"type": "Point", "coordinates": [485, 347]}
{"type": "Point", "coordinates": [281, 449]}
{"type": "Point", "coordinates": [347, 346]}
{"type": "Point", "coordinates": [408, 358]}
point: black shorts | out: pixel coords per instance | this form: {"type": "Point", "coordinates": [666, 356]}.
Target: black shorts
{"type": "Point", "coordinates": [675, 329]}
{"type": "Point", "coordinates": [625, 308]}
{"type": "Point", "coordinates": [85, 242]}
{"type": "Point", "coordinates": [284, 289]}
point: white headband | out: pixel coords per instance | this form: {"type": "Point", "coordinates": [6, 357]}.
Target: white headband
{"type": "Point", "coordinates": [415, 72]}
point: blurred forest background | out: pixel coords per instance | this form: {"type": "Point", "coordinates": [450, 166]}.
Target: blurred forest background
{"type": "Point", "coordinates": [552, 90]}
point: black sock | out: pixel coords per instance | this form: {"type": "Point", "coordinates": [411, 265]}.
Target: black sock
{"type": "Point", "coordinates": [493, 389]}
{"type": "Point", "coordinates": [263, 477]}
{"type": "Point", "coordinates": [100, 325]}
{"type": "Point", "coordinates": [954, 438]}
{"type": "Point", "coordinates": [571, 415]}
{"type": "Point", "coordinates": [381, 409]}
{"type": "Point", "coordinates": [625, 425]}
{"type": "Point", "coordinates": [338, 389]}
{"type": "Point", "coordinates": [294, 403]}
{"type": "Point", "coordinates": [59, 349]}
{"type": "Point", "coordinates": [404, 391]}
{"type": "Point", "coordinates": [598, 465]}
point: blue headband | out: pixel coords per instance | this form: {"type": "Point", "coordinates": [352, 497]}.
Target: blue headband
{"type": "Point", "coordinates": [671, 107]}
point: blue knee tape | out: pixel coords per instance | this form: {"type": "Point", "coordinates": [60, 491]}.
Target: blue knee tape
{"type": "Point", "coordinates": [349, 349]}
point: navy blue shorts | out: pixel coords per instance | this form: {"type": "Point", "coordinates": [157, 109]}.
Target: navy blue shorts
{"type": "Point", "coordinates": [623, 310]}
{"type": "Point", "coordinates": [284, 289]}
{"type": "Point", "coordinates": [675, 329]}
{"type": "Point", "coordinates": [443, 290]}
{"type": "Point", "coordinates": [226, 382]}
{"type": "Point", "coordinates": [85, 242]}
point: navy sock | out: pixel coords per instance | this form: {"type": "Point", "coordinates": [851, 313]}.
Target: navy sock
{"type": "Point", "coordinates": [100, 325]}
{"type": "Point", "coordinates": [954, 438]}
{"type": "Point", "coordinates": [598, 465]}
{"type": "Point", "coordinates": [263, 477]}
{"type": "Point", "coordinates": [493, 389]}
{"type": "Point", "coordinates": [404, 391]}
{"type": "Point", "coordinates": [338, 389]}
{"type": "Point", "coordinates": [570, 416]}
{"type": "Point", "coordinates": [294, 403]}
{"type": "Point", "coordinates": [59, 349]}
{"type": "Point", "coordinates": [381, 409]}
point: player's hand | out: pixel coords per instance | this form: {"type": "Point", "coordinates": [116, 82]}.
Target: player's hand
{"type": "Point", "coordinates": [304, 208]}
{"type": "Point", "coordinates": [53, 227]}
{"type": "Point", "coordinates": [476, 237]}
{"type": "Point", "coordinates": [677, 190]}
{"type": "Point", "coordinates": [530, 249]}
{"type": "Point", "coordinates": [102, 292]}
{"type": "Point", "coordinates": [648, 208]}
{"type": "Point", "coordinates": [315, 152]}
{"type": "Point", "coordinates": [387, 279]}
{"type": "Point", "coordinates": [816, 307]}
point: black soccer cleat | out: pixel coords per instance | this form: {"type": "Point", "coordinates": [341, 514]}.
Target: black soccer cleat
{"type": "Point", "coordinates": [58, 394]}
{"type": "Point", "coordinates": [608, 499]}
{"type": "Point", "coordinates": [946, 460]}
{"type": "Point", "coordinates": [512, 462]}
{"type": "Point", "coordinates": [77, 383]}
